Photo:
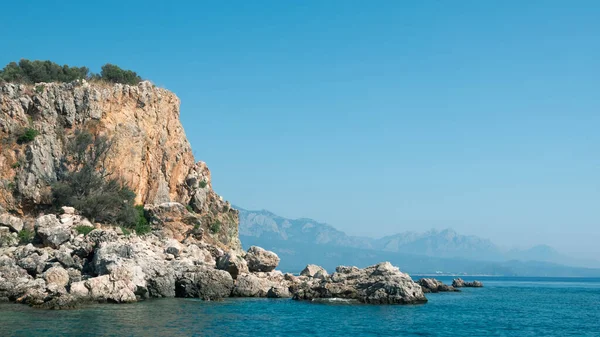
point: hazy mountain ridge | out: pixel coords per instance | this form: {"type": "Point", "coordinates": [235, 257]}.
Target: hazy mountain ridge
{"type": "Point", "coordinates": [266, 224]}
{"type": "Point", "coordinates": [443, 244]}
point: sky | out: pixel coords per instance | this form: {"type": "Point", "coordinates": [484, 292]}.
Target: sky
{"type": "Point", "coordinates": [376, 117]}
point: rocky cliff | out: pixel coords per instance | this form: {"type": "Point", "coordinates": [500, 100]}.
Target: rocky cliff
{"type": "Point", "coordinates": [150, 152]}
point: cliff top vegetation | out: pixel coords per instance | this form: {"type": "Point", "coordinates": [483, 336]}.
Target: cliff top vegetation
{"type": "Point", "coordinates": [31, 72]}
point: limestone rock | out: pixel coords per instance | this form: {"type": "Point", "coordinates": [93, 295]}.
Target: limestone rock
{"type": "Point", "coordinates": [117, 287]}
{"type": "Point", "coordinates": [57, 275]}
{"type": "Point", "coordinates": [279, 292]}
{"type": "Point", "coordinates": [68, 210]}
{"type": "Point", "coordinates": [205, 283]}
{"type": "Point", "coordinates": [261, 260]}
{"type": "Point", "coordinates": [312, 270]}
{"type": "Point", "coordinates": [431, 285]}
{"type": "Point", "coordinates": [378, 284]}
{"type": "Point", "coordinates": [232, 263]}
{"type": "Point", "coordinates": [250, 285]}
{"type": "Point", "coordinates": [51, 231]}
{"type": "Point", "coordinates": [474, 284]}
{"type": "Point", "coordinates": [459, 283]}
{"type": "Point", "coordinates": [151, 153]}
{"type": "Point", "coordinates": [262, 284]}
{"type": "Point", "coordinates": [8, 239]}
{"type": "Point", "coordinates": [12, 222]}
{"type": "Point", "coordinates": [32, 259]}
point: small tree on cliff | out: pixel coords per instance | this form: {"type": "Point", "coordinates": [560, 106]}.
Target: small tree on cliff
{"type": "Point", "coordinates": [84, 183]}
{"type": "Point", "coordinates": [114, 74]}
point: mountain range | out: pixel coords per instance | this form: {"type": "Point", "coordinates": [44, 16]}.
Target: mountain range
{"type": "Point", "coordinates": [437, 250]}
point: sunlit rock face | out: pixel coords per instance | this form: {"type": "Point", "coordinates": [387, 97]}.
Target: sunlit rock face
{"type": "Point", "coordinates": [150, 151]}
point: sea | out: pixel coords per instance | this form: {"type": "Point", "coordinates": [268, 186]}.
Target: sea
{"type": "Point", "coordinates": [506, 306]}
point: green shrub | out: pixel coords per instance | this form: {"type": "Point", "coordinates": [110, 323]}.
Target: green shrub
{"type": "Point", "coordinates": [125, 231]}
{"type": "Point", "coordinates": [27, 136]}
{"type": "Point", "coordinates": [30, 72]}
{"type": "Point", "coordinates": [114, 74]}
{"type": "Point", "coordinates": [215, 227]}
{"type": "Point", "coordinates": [25, 236]}
{"type": "Point", "coordinates": [83, 183]}
{"type": "Point", "coordinates": [16, 164]}
{"type": "Point", "coordinates": [203, 184]}
{"type": "Point", "coordinates": [189, 208]}
{"type": "Point", "coordinates": [142, 226]}
{"type": "Point", "coordinates": [84, 229]}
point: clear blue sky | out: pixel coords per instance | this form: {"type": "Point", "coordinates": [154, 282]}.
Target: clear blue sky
{"type": "Point", "coordinates": [374, 116]}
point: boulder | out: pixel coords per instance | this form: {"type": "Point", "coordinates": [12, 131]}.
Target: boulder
{"type": "Point", "coordinates": [118, 287]}
{"type": "Point", "coordinates": [68, 210]}
{"type": "Point", "coordinates": [16, 283]}
{"type": "Point", "coordinates": [261, 260]}
{"type": "Point", "coordinates": [14, 223]}
{"type": "Point", "coordinates": [312, 270]}
{"type": "Point", "coordinates": [204, 283]}
{"type": "Point", "coordinates": [32, 259]}
{"type": "Point", "coordinates": [233, 264]}
{"type": "Point", "coordinates": [57, 275]}
{"type": "Point", "coordinates": [173, 247]}
{"type": "Point", "coordinates": [8, 238]}
{"type": "Point", "coordinates": [250, 285]}
{"type": "Point", "coordinates": [279, 292]}
{"type": "Point", "coordinates": [51, 231]}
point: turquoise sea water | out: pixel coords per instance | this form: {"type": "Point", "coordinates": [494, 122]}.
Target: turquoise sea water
{"type": "Point", "coordinates": [505, 307]}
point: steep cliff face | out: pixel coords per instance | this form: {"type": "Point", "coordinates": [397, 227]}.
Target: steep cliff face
{"type": "Point", "coordinates": [150, 152]}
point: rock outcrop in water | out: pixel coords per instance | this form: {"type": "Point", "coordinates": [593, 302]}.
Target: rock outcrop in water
{"type": "Point", "coordinates": [459, 283]}
{"type": "Point", "coordinates": [431, 285]}
{"type": "Point", "coordinates": [379, 284]}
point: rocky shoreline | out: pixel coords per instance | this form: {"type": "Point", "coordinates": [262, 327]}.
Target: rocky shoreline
{"type": "Point", "coordinates": [62, 268]}
{"type": "Point", "coordinates": [59, 261]}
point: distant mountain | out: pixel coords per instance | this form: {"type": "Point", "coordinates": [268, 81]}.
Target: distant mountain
{"type": "Point", "coordinates": [265, 226]}
{"type": "Point", "coordinates": [446, 243]}
{"type": "Point", "coordinates": [296, 255]}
